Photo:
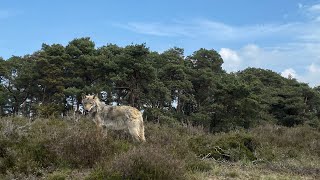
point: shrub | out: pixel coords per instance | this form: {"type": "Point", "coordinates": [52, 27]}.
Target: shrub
{"type": "Point", "coordinates": [57, 176]}
{"type": "Point", "coordinates": [79, 146]}
{"type": "Point", "coordinates": [173, 139]}
{"type": "Point", "coordinates": [142, 163]}
{"type": "Point", "coordinates": [60, 174]}
{"type": "Point", "coordinates": [238, 146]}
{"type": "Point", "coordinates": [198, 165]}
{"type": "Point", "coordinates": [6, 158]}
{"type": "Point", "coordinates": [22, 151]}
{"type": "Point", "coordinates": [278, 142]}
{"type": "Point", "coordinates": [230, 146]}
{"type": "Point", "coordinates": [79, 149]}
{"type": "Point", "coordinates": [97, 174]}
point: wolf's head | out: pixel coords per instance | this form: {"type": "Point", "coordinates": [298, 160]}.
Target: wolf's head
{"type": "Point", "coordinates": [90, 103]}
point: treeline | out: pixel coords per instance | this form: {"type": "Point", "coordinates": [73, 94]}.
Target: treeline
{"type": "Point", "coordinates": [167, 86]}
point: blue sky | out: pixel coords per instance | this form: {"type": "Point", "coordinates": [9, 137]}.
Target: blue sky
{"type": "Point", "coordinates": [281, 35]}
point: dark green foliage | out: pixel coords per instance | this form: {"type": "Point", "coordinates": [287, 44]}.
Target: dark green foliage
{"type": "Point", "coordinates": [48, 110]}
{"type": "Point", "coordinates": [231, 147]}
{"type": "Point", "coordinates": [238, 146]}
{"type": "Point", "coordinates": [284, 101]}
{"type": "Point", "coordinates": [169, 87]}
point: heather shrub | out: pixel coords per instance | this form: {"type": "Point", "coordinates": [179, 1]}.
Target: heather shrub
{"type": "Point", "coordinates": [42, 147]}
{"type": "Point", "coordinates": [78, 149]}
{"type": "Point", "coordinates": [6, 157]}
{"type": "Point", "coordinates": [58, 175]}
{"type": "Point", "coordinates": [34, 155]}
{"type": "Point", "coordinates": [20, 151]}
{"type": "Point", "coordinates": [237, 146]}
{"type": "Point", "coordinates": [29, 147]}
{"type": "Point", "coordinates": [278, 142]}
{"type": "Point", "coordinates": [143, 162]}
{"type": "Point", "coordinates": [79, 145]}
{"type": "Point", "coordinates": [169, 138]}
{"type": "Point", "coordinates": [195, 164]}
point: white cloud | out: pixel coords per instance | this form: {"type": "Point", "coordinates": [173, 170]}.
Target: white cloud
{"type": "Point", "coordinates": [214, 30]}
{"type": "Point", "coordinates": [293, 47]}
{"type": "Point", "coordinates": [229, 55]}
{"type": "Point", "coordinates": [209, 30]}
{"type": "Point", "coordinates": [273, 58]}
{"type": "Point", "coordinates": [251, 51]}
{"type": "Point", "coordinates": [232, 61]}
{"type": "Point", "coordinates": [313, 68]}
{"type": "Point", "coordinates": [311, 11]}
{"type": "Point", "coordinates": [311, 75]}
{"type": "Point", "coordinates": [289, 72]}
{"type": "Point", "coordinates": [156, 29]}
{"type": "Point", "coordinates": [299, 60]}
{"type": "Point", "coordinates": [314, 8]}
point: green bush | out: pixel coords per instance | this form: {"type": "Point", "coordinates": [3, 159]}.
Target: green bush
{"type": "Point", "coordinates": [238, 146]}
{"type": "Point", "coordinates": [230, 146]}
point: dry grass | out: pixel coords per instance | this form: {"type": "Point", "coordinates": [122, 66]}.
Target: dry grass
{"type": "Point", "coordinates": [240, 171]}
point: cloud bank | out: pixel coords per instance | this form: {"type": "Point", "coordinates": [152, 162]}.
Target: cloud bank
{"type": "Point", "coordinates": [287, 48]}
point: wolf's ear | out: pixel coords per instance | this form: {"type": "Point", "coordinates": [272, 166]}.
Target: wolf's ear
{"type": "Point", "coordinates": [95, 96]}
{"type": "Point", "coordinates": [83, 96]}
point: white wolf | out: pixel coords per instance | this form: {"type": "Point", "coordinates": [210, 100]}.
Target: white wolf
{"type": "Point", "coordinates": [114, 117]}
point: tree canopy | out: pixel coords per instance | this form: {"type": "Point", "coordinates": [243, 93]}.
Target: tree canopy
{"type": "Point", "coordinates": [167, 86]}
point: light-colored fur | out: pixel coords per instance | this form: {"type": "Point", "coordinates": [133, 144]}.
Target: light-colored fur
{"type": "Point", "coordinates": [115, 117]}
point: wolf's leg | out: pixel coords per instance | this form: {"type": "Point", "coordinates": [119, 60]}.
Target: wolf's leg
{"type": "Point", "coordinates": [104, 131]}
{"type": "Point", "coordinates": [101, 131]}
{"type": "Point", "coordinates": [134, 133]}
{"type": "Point", "coordinates": [142, 137]}
{"type": "Point", "coordinates": [99, 134]}
{"type": "Point", "coordinates": [101, 128]}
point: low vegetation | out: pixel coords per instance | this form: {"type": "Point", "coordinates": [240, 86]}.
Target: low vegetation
{"type": "Point", "coordinates": [68, 149]}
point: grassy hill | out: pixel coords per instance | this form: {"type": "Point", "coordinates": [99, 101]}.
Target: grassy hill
{"type": "Point", "coordinates": [69, 149]}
